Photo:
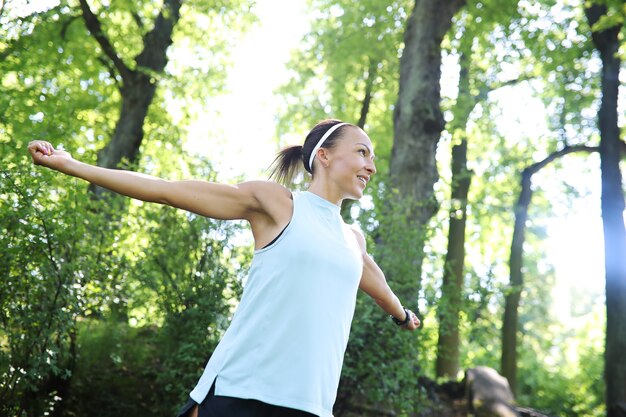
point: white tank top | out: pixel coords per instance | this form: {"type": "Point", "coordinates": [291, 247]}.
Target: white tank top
{"type": "Point", "coordinates": [286, 342]}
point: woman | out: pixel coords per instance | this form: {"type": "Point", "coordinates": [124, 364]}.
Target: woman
{"type": "Point", "coordinates": [283, 352]}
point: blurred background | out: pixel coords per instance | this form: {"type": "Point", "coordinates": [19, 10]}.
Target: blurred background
{"type": "Point", "coordinates": [498, 127]}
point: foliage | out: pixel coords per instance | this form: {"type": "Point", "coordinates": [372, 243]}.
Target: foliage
{"type": "Point", "coordinates": [383, 363]}
{"type": "Point", "coordinates": [67, 258]}
{"type": "Point", "coordinates": [163, 268]}
{"type": "Point", "coordinates": [572, 363]}
{"type": "Point", "coordinates": [51, 244]}
{"type": "Point", "coordinates": [110, 308]}
{"type": "Point", "coordinates": [117, 370]}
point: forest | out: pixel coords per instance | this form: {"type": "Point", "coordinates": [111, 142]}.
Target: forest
{"type": "Point", "coordinates": [110, 306]}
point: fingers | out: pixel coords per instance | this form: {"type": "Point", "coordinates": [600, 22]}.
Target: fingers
{"type": "Point", "coordinates": [40, 146]}
{"type": "Point", "coordinates": [415, 320]}
{"type": "Point", "coordinates": [414, 323]}
{"type": "Point", "coordinates": [39, 149]}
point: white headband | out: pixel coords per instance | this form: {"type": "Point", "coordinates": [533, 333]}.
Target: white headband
{"type": "Point", "coordinates": [321, 142]}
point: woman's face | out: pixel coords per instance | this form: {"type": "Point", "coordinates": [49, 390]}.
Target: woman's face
{"type": "Point", "coordinates": [350, 163]}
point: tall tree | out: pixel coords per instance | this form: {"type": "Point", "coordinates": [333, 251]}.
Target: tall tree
{"type": "Point", "coordinates": [472, 90]}
{"type": "Point", "coordinates": [369, 78]}
{"type": "Point", "coordinates": [508, 362]}
{"type": "Point", "coordinates": [605, 34]}
{"type": "Point", "coordinates": [567, 92]}
{"type": "Point", "coordinates": [138, 82]}
{"type": "Point", "coordinates": [418, 120]}
{"type": "Point", "coordinates": [452, 286]}
{"type": "Point", "coordinates": [471, 41]}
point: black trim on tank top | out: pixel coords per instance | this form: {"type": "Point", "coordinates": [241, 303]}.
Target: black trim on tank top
{"type": "Point", "coordinates": [276, 238]}
{"type": "Point", "coordinates": [281, 232]}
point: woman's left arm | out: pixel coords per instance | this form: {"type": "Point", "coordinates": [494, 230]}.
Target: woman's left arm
{"type": "Point", "coordinates": [374, 283]}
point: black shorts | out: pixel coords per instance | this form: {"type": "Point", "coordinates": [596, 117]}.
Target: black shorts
{"type": "Point", "coordinates": [221, 406]}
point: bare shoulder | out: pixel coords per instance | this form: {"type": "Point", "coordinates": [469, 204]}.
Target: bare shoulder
{"type": "Point", "coordinates": [271, 198]}
{"type": "Point", "coordinates": [266, 190]}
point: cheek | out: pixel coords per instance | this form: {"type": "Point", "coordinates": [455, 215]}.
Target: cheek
{"type": "Point", "coordinates": [354, 164]}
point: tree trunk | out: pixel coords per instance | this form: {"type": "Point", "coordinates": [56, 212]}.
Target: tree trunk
{"type": "Point", "coordinates": [139, 84]}
{"type": "Point", "coordinates": [369, 90]}
{"type": "Point", "coordinates": [370, 77]}
{"type": "Point", "coordinates": [418, 120]}
{"type": "Point", "coordinates": [508, 359]}
{"type": "Point", "coordinates": [452, 286]}
{"type": "Point", "coordinates": [513, 293]}
{"type": "Point", "coordinates": [607, 43]}
{"type": "Point", "coordinates": [137, 94]}
{"type": "Point", "coordinates": [448, 344]}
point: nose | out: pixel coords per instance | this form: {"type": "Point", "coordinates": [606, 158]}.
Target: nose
{"type": "Point", "coordinates": [371, 167]}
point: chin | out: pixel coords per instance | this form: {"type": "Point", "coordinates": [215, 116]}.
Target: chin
{"type": "Point", "coordinates": [355, 195]}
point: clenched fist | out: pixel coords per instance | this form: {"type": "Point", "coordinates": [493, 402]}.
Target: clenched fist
{"type": "Point", "coordinates": [43, 153]}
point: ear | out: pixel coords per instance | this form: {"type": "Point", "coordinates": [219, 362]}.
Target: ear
{"type": "Point", "coordinates": [323, 155]}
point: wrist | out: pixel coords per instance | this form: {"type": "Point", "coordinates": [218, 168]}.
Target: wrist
{"type": "Point", "coordinates": [71, 167]}
{"type": "Point", "coordinates": [404, 320]}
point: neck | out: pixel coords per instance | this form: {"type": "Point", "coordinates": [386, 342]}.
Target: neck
{"type": "Point", "coordinates": [325, 191]}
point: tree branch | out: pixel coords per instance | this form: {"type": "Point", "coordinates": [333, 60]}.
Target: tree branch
{"type": "Point", "coordinates": [155, 43]}
{"type": "Point", "coordinates": [111, 69]}
{"type": "Point", "coordinates": [137, 20]}
{"type": "Point", "coordinates": [486, 89]}
{"type": "Point", "coordinates": [531, 169]}
{"type": "Point", "coordinates": [601, 37]}
{"type": "Point", "coordinates": [4, 3]}
{"type": "Point", "coordinates": [513, 81]}
{"type": "Point", "coordinates": [95, 28]}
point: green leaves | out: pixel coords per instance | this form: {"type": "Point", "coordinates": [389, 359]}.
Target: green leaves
{"type": "Point", "coordinates": [66, 257]}
{"type": "Point", "coordinates": [148, 290]}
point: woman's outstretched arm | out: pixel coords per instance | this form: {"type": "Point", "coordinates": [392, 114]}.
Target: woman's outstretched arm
{"type": "Point", "coordinates": [374, 283]}
{"type": "Point", "coordinates": [218, 201]}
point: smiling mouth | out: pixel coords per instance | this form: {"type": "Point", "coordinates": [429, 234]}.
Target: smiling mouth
{"type": "Point", "coordinates": [362, 179]}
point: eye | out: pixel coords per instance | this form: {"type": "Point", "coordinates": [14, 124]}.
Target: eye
{"type": "Point", "coordinates": [363, 152]}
